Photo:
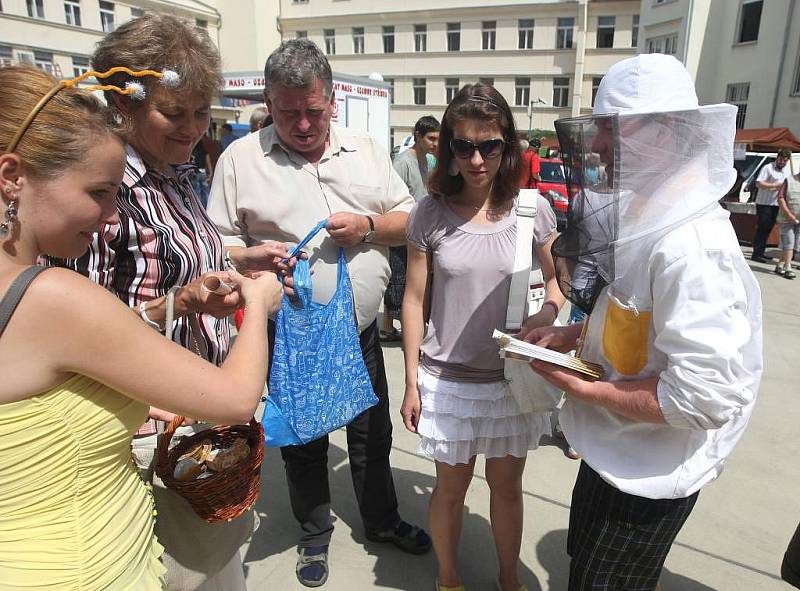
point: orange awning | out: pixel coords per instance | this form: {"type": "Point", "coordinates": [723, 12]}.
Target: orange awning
{"type": "Point", "coordinates": [769, 139]}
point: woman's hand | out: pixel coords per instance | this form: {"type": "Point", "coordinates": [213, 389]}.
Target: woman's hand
{"type": "Point", "coordinates": [192, 297]}
{"type": "Point", "coordinates": [263, 287]}
{"type": "Point", "coordinates": [544, 317]}
{"type": "Point", "coordinates": [411, 408]}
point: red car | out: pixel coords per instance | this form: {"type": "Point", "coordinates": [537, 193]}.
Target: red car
{"type": "Point", "coordinates": [553, 187]}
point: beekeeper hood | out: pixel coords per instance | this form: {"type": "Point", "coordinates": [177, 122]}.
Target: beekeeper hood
{"type": "Point", "coordinates": [647, 160]}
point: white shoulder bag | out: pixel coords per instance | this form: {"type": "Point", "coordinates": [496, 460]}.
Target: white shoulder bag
{"type": "Point", "coordinates": [526, 297]}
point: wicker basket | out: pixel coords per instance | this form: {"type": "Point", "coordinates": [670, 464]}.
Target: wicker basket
{"type": "Point", "coordinates": [226, 494]}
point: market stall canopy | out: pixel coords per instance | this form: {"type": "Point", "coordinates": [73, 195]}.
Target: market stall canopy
{"type": "Point", "coordinates": [769, 139]}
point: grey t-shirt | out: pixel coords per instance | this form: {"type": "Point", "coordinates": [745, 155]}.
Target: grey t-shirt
{"type": "Point", "coordinates": [471, 266]}
{"type": "Point", "coordinates": [414, 174]}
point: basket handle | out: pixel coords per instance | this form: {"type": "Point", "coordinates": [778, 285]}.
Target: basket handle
{"type": "Point", "coordinates": [164, 439]}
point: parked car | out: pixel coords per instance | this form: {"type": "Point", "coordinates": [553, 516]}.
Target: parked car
{"type": "Point", "coordinates": [553, 187]}
{"type": "Point", "coordinates": [744, 189]}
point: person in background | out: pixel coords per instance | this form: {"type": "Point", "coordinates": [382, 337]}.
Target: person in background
{"type": "Point", "coordinates": [674, 320]}
{"type": "Point", "coordinates": [164, 240]}
{"type": "Point", "coordinates": [462, 247]}
{"type": "Point", "coordinates": [279, 183]}
{"type": "Point", "coordinates": [414, 168]}
{"type": "Point", "coordinates": [227, 136]}
{"type": "Point", "coordinates": [769, 181]}
{"type": "Point", "coordinates": [789, 221]}
{"type": "Point", "coordinates": [259, 119]}
{"type": "Point", "coordinates": [79, 369]}
{"type": "Point", "coordinates": [531, 165]}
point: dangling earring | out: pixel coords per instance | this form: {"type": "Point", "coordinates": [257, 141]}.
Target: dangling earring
{"type": "Point", "coordinates": [10, 219]}
{"type": "Point", "coordinates": [452, 168]}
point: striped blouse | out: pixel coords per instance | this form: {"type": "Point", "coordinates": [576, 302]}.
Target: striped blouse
{"type": "Point", "coordinates": [164, 238]}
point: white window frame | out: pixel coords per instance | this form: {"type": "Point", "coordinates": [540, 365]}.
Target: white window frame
{"type": "Point", "coordinates": [420, 85]}
{"type": "Point", "coordinates": [329, 35]}
{"type": "Point", "coordinates": [201, 23]}
{"type": "Point", "coordinates": [738, 94]}
{"type": "Point", "coordinates": [488, 35]}
{"type": "Point", "coordinates": [6, 56]}
{"type": "Point", "coordinates": [358, 39]}
{"type": "Point", "coordinates": [388, 39]}
{"type": "Point", "coordinates": [525, 27]}
{"type": "Point", "coordinates": [561, 92]}
{"type": "Point", "coordinates": [795, 88]}
{"type": "Point", "coordinates": [301, 34]}
{"type": "Point", "coordinates": [44, 61]}
{"type": "Point", "coordinates": [420, 38]}
{"type": "Point", "coordinates": [72, 12]}
{"type": "Point", "coordinates": [595, 87]}
{"type": "Point", "coordinates": [565, 32]}
{"type": "Point", "coordinates": [35, 8]}
{"type": "Point", "coordinates": [666, 44]}
{"type": "Point", "coordinates": [107, 21]}
{"type": "Point", "coordinates": [78, 69]}
{"type": "Point", "coordinates": [450, 89]}
{"type": "Point", "coordinates": [612, 27]}
{"type": "Point", "coordinates": [635, 30]}
{"type": "Point", "coordinates": [453, 36]}
{"type": "Point", "coordinates": [390, 82]}
{"type": "Point", "coordinates": [522, 91]}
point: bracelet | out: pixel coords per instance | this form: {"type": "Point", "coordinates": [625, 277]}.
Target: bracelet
{"type": "Point", "coordinates": [227, 262]}
{"type": "Point", "coordinates": [147, 321]}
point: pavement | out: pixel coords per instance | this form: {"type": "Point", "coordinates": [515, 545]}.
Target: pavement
{"type": "Point", "coordinates": [734, 540]}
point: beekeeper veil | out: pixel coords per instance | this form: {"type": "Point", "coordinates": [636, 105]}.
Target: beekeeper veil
{"type": "Point", "coordinates": [647, 160]}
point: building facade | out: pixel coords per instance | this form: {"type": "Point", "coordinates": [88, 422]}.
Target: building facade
{"type": "Point", "coordinates": [59, 36]}
{"type": "Point", "coordinates": [744, 52]}
{"type": "Point", "coordinates": [545, 56]}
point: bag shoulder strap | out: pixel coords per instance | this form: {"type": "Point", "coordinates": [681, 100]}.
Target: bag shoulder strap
{"type": "Point", "coordinates": [15, 292]}
{"type": "Point", "coordinates": [523, 259]}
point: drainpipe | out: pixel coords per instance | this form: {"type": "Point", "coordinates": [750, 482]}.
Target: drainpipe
{"type": "Point", "coordinates": [687, 31]}
{"type": "Point", "coordinates": [781, 63]}
{"type": "Point", "coordinates": [580, 56]}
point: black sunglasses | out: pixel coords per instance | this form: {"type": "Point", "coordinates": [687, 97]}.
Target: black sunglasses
{"type": "Point", "coordinates": [464, 149]}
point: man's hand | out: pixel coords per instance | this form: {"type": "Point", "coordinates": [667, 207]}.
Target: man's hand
{"type": "Point", "coordinates": [347, 229]}
{"type": "Point", "coordinates": [267, 256]}
{"type": "Point", "coordinates": [193, 298]}
{"type": "Point", "coordinates": [561, 378]}
{"type": "Point", "coordinates": [558, 338]}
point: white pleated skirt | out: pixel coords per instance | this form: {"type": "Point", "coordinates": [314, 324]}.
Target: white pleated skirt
{"type": "Point", "coordinates": [460, 420]}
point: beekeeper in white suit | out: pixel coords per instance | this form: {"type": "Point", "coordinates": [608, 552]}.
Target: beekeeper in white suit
{"type": "Point", "coordinates": [675, 319]}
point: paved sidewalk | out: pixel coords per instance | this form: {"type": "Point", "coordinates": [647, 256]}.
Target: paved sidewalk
{"type": "Point", "coordinates": [733, 541]}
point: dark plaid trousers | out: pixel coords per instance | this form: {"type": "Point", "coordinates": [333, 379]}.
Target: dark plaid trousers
{"type": "Point", "coordinates": [618, 541]}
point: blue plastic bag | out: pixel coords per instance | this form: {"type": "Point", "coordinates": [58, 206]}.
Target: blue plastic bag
{"type": "Point", "coordinates": [318, 381]}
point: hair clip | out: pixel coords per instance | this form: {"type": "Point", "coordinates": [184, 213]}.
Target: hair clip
{"type": "Point", "coordinates": [133, 88]}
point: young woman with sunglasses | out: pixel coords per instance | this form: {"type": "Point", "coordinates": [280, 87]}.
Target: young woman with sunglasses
{"type": "Point", "coordinates": [462, 242]}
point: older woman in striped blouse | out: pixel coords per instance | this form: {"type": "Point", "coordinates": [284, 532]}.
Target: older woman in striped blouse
{"type": "Point", "coordinates": [164, 239]}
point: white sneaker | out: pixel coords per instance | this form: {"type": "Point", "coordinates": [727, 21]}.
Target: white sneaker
{"type": "Point", "coordinates": [780, 270]}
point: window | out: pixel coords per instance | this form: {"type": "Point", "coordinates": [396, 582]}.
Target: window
{"type": "Point", "coordinates": [595, 86]}
{"type": "Point", "coordinates": [44, 61]}
{"type": "Point", "coordinates": [795, 90]}
{"type": "Point", "coordinates": [564, 33]}
{"type": "Point", "coordinates": [487, 81]}
{"type": "Point", "coordinates": [525, 33]}
{"type": "Point", "coordinates": [488, 34]}
{"type": "Point", "coordinates": [419, 91]}
{"type": "Point", "coordinates": [35, 8]}
{"type": "Point", "coordinates": [560, 92]}
{"type": "Point", "coordinates": [635, 31]}
{"type": "Point", "coordinates": [453, 36]}
{"type": "Point", "coordinates": [388, 39]}
{"type": "Point", "coordinates": [80, 65]}
{"type": "Point", "coordinates": [201, 23]}
{"type": "Point", "coordinates": [6, 56]}
{"type": "Point", "coordinates": [299, 1]}
{"type": "Point", "coordinates": [301, 35]}
{"type": "Point", "coordinates": [749, 20]}
{"type": "Point", "coordinates": [330, 41]}
{"type": "Point", "coordinates": [358, 39]}
{"type": "Point", "coordinates": [522, 91]}
{"type": "Point", "coordinates": [390, 82]}
{"type": "Point", "coordinates": [605, 31]}
{"type": "Point", "coordinates": [420, 37]}
{"type": "Point", "coordinates": [737, 95]}
{"type": "Point", "coordinates": [450, 89]}
{"type": "Point", "coordinates": [107, 16]}
{"type": "Point", "coordinates": [667, 44]}
{"type": "Point", "coordinates": [136, 12]}
{"type": "Point", "coordinates": [72, 12]}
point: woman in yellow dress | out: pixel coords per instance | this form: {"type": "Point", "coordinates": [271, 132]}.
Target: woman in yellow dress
{"type": "Point", "coordinates": [79, 369]}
